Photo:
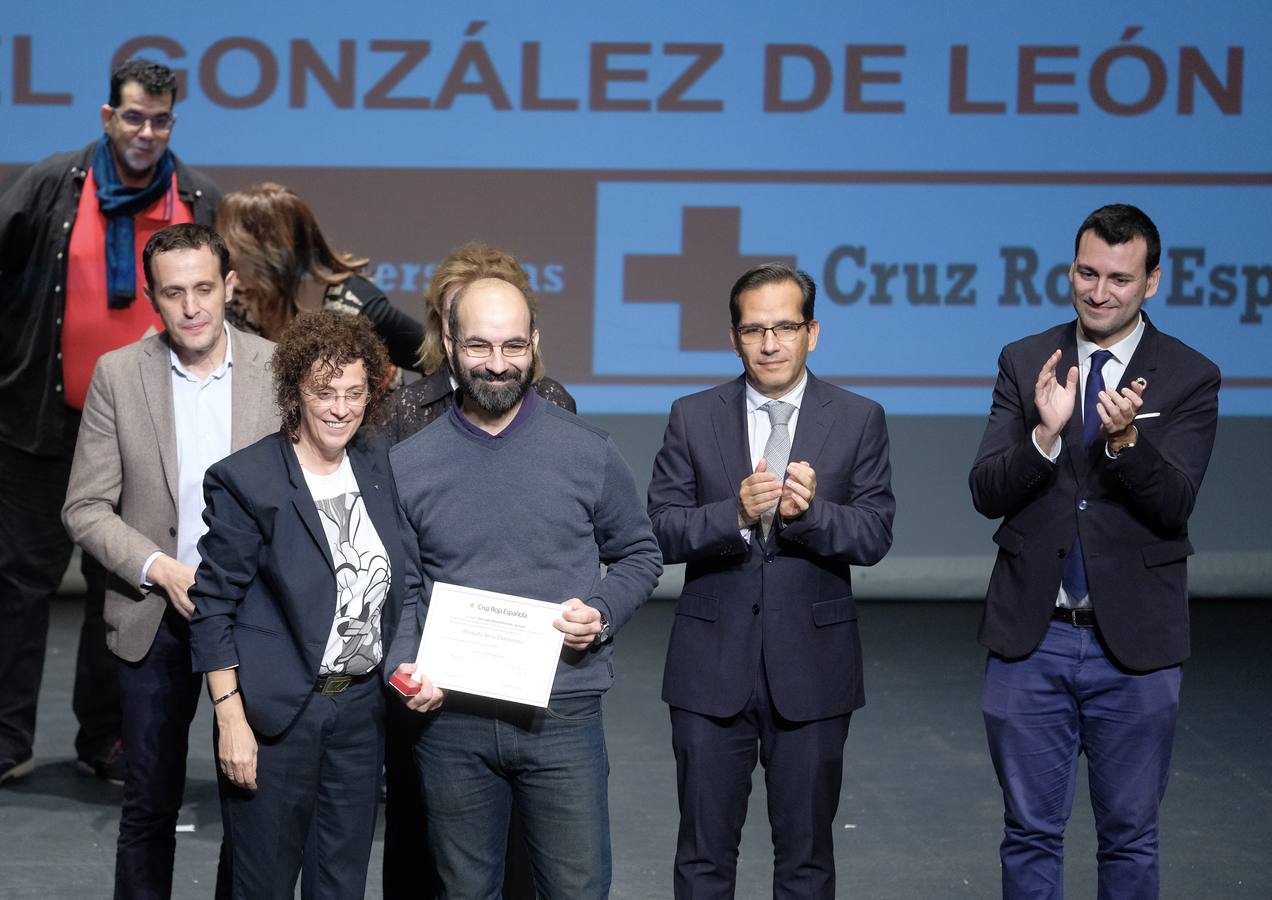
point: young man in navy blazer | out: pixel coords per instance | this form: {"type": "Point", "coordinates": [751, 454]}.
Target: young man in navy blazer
{"type": "Point", "coordinates": [1098, 438]}
{"type": "Point", "coordinates": [769, 487]}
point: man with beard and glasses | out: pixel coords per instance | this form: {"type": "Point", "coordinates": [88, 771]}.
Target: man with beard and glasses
{"type": "Point", "coordinates": [72, 229]}
{"type": "Point", "coordinates": [510, 493]}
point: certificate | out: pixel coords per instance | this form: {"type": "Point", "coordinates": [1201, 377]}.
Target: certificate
{"type": "Point", "coordinates": [494, 645]}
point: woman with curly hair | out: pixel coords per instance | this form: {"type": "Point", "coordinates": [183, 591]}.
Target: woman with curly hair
{"type": "Point", "coordinates": [298, 600]}
{"type": "Point", "coordinates": [285, 267]}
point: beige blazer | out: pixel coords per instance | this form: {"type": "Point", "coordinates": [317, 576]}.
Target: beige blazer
{"type": "Point", "coordinates": [121, 503]}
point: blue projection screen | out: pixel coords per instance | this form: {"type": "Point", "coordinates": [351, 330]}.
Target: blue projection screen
{"type": "Point", "coordinates": [926, 162]}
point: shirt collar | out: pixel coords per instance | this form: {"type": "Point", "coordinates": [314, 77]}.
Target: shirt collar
{"type": "Point", "coordinates": [795, 396]}
{"type": "Point", "coordinates": [529, 403]}
{"type": "Point", "coordinates": [1122, 351]}
{"type": "Point", "coordinates": [221, 369]}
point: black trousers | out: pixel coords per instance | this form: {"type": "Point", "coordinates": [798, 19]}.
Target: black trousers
{"type": "Point", "coordinates": [160, 695]}
{"type": "Point", "coordinates": [803, 771]}
{"type": "Point", "coordinates": [34, 552]}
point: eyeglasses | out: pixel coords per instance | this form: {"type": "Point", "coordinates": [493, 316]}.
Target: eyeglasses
{"type": "Point", "coordinates": [326, 399]}
{"type": "Point", "coordinates": [160, 122]}
{"type": "Point", "coordinates": [479, 349]}
{"type": "Point", "coordinates": [783, 331]}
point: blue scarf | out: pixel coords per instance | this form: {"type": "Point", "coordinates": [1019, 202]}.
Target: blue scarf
{"type": "Point", "coordinates": [119, 204]}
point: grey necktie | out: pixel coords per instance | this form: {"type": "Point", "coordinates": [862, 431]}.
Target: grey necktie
{"type": "Point", "coordinates": [777, 450]}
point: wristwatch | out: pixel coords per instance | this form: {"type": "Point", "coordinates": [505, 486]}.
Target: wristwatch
{"type": "Point", "coordinates": [605, 635]}
{"type": "Point", "coordinates": [1116, 451]}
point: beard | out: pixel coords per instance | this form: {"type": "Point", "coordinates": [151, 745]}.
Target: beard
{"type": "Point", "coordinates": [493, 394]}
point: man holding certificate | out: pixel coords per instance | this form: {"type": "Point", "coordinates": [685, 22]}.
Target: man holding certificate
{"type": "Point", "coordinates": [514, 500]}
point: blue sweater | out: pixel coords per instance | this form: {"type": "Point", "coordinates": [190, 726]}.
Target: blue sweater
{"type": "Point", "coordinates": [533, 512]}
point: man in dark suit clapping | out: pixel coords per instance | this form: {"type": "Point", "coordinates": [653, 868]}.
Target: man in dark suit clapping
{"type": "Point", "coordinates": [1098, 438]}
{"type": "Point", "coordinates": [769, 487]}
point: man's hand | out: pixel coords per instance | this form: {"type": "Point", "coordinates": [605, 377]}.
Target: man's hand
{"type": "Point", "coordinates": [175, 579]}
{"type": "Point", "coordinates": [236, 744]}
{"type": "Point", "coordinates": [1054, 401]}
{"type": "Point", "coordinates": [1118, 411]}
{"type": "Point", "coordinates": [428, 698]}
{"type": "Point", "coordinates": [799, 489]}
{"type": "Point", "coordinates": [580, 623]}
{"type": "Point", "coordinates": [759, 492]}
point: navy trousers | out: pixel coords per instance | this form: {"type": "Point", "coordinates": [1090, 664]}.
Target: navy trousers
{"type": "Point", "coordinates": [803, 770]}
{"type": "Point", "coordinates": [314, 808]}
{"type": "Point", "coordinates": [160, 696]}
{"type": "Point", "coordinates": [1067, 698]}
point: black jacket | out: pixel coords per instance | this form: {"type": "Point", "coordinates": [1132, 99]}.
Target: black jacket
{"type": "Point", "coordinates": [1132, 512]}
{"type": "Point", "coordinates": [37, 214]}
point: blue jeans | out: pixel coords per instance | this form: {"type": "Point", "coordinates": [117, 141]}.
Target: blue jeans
{"type": "Point", "coordinates": [478, 758]}
{"type": "Point", "coordinates": [1065, 698]}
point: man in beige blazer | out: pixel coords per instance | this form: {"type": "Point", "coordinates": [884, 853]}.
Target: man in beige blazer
{"type": "Point", "coordinates": [158, 413]}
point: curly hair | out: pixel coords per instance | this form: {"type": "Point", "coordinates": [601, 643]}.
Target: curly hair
{"type": "Point", "coordinates": [332, 340]}
{"type": "Point", "coordinates": [462, 267]}
{"type": "Point", "coordinates": [155, 79]}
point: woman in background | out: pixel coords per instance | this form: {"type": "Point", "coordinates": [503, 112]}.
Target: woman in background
{"type": "Point", "coordinates": [408, 868]}
{"type": "Point", "coordinates": [285, 266]}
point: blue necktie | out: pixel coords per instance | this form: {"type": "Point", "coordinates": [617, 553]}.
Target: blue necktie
{"type": "Point", "coordinates": [1074, 578]}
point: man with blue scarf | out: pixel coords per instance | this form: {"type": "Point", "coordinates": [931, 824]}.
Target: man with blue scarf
{"type": "Point", "coordinates": [72, 228]}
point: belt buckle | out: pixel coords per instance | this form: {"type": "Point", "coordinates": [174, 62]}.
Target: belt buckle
{"type": "Point", "coordinates": [336, 684]}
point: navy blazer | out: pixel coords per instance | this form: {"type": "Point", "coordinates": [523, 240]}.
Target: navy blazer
{"type": "Point", "coordinates": [792, 598]}
{"type": "Point", "coordinates": [1132, 512]}
{"type": "Point", "coordinates": [265, 590]}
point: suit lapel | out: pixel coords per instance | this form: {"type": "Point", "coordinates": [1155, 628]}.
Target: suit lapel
{"type": "Point", "coordinates": [303, 501]}
{"type": "Point", "coordinates": [373, 484]}
{"type": "Point", "coordinates": [1073, 437]}
{"type": "Point", "coordinates": [377, 496]}
{"type": "Point", "coordinates": [812, 428]}
{"type": "Point", "coordinates": [1143, 362]}
{"type": "Point", "coordinates": [247, 392]}
{"type": "Point", "coordinates": [728, 420]}
{"type": "Point", "coordinates": [155, 363]}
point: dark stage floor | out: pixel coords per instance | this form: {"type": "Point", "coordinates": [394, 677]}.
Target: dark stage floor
{"type": "Point", "coordinates": [920, 812]}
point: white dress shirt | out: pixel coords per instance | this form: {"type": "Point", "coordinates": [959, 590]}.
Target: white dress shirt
{"type": "Point", "coordinates": [202, 417]}
{"type": "Point", "coordinates": [759, 427]}
{"type": "Point", "coordinates": [1114, 369]}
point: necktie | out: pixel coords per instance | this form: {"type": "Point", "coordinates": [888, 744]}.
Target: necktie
{"type": "Point", "coordinates": [1074, 578]}
{"type": "Point", "coordinates": [777, 450]}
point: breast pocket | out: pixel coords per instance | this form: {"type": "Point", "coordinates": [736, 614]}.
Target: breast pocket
{"type": "Point", "coordinates": [831, 612]}
{"type": "Point", "coordinates": [698, 606]}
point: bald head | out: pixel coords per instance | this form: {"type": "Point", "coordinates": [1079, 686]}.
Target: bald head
{"type": "Point", "coordinates": [490, 305]}
{"type": "Point", "coordinates": [492, 344]}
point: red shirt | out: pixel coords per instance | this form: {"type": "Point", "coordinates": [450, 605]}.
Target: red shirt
{"type": "Point", "coordinates": [90, 328]}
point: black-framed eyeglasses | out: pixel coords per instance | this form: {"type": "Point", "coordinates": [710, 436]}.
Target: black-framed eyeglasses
{"type": "Point", "coordinates": [783, 331]}
{"type": "Point", "coordinates": [133, 118]}
{"type": "Point", "coordinates": [479, 349]}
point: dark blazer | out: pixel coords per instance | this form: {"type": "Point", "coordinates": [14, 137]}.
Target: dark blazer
{"type": "Point", "coordinates": [795, 594]}
{"type": "Point", "coordinates": [1132, 511]}
{"type": "Point", "coordinates": [265, 591]}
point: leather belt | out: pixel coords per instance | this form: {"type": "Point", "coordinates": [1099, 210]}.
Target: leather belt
{"type": "Point", "coordinates": [1080, 618]}
{"type": "Point", "coordinates": [337, 684]}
